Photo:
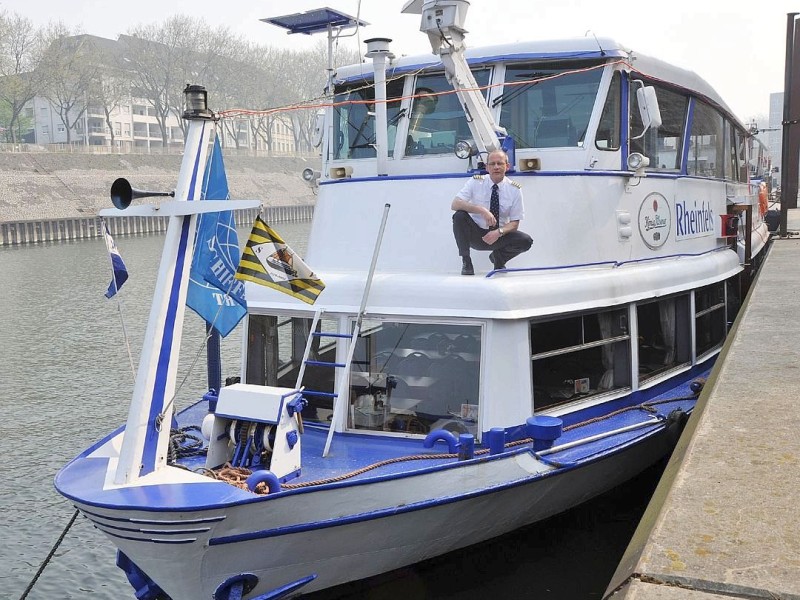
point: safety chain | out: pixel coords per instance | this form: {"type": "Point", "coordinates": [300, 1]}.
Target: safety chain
{"type": "Point", "coordinates": [237, 475]}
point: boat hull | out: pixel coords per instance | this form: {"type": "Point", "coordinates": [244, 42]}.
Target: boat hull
{"type": "Point", "coordinates": [347, 533]}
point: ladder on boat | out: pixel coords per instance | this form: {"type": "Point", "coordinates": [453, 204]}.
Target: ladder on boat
{"type": "Point", "coordinates": [344, 373]}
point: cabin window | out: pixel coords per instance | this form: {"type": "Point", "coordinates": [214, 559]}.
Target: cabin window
{"type": "Point", "coordinates": [707, 142]}
{"type": "Point", "coordinates": [354, 119]}
{"type": "Point", "coordinates": [415, 377]}
{"type": "Point", "coordinates": [710, 317]}
{"type": "Point", "coordinates": [437, 119]}
{"type": "Point", "coordinates": [664, 145]}
{"type": "Point", "coordinates": [739, 156]}
{"type": "Point", "coordinates": [275, 348]}
{"type": "Point", "coordinates": [608, 130]}
{"type": "Point", "coordinates": [663, 335]}
{"type": "Point", "coordinates": [548, 105]}
{"type": "Point", "coordinates": [579, 356]}
{"type": "Point", "coordinates": [759, 158]}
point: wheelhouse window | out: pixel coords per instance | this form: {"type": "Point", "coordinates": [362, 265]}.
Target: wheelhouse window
{"type": "Point", "coordinates": [608, 131]}
{"type": "Point", "coordinates": [662, 145]}
{"type": "Point", "coordinates": [710, 317]}
{"type": "Point", "coordinates": [354, 119]}
{"type": "Point", "coordinates": [579, 356]}
{"type": "Point", "coordinates": [738, 150]}
{"type": "Point", "coordinates": [663, 335]}
{"type": "Point", "coordinates": [437, 119]}
{"type": "Point", "coordinates": [415, 377]}
{"type": "Point", "coordinates": [707, 142]}
{"type": "Point", "coordinates": [275, 348]}
{"type": "Point", "coordinates": [548, 104]}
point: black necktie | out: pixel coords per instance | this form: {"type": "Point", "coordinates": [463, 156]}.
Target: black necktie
{"type": "Point", "coordinates": [494, 206]}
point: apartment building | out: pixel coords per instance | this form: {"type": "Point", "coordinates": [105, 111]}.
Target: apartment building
{"type": "Point", "coordinates": [134, 124]}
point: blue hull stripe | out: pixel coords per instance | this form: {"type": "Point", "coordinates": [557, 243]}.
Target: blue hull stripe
{"type": "Point", "coordinates": [201, 521]}
{"type": "Point", "coordinates": [610, 263]}
{"type": "Point", "coordinates": [142, 530]}
{"type": "Point", "coordinates": [151, 540]}
{"type": "Point", "coordinates": [517, 175]}
{"type": "Point", "coordinates": [427, 504]}
{"type": "Point", "coordinates": [165, 352]}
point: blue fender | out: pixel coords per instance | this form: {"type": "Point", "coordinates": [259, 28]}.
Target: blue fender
{"type": "Point", "coordinates": [268, 477]}
{"type": "Point", "coordinates": [234, 588]}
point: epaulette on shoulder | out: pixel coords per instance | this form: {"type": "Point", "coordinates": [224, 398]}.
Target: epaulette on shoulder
{"type": "Point", "coordinates": [479, 177]}
{"type": "Point", "coordinates": [515, 184]}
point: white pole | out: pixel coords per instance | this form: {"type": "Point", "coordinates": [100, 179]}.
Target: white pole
{"type": "Point", "coordinates": [337, 401]}
{"type": "Point", "coordinates": [144, 443]}
{"type": "Point", "coordinates": [378, 50]}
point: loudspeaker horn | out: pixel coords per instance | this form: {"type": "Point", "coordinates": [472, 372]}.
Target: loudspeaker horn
{"type": "Point", "coordinates": [122, 194]}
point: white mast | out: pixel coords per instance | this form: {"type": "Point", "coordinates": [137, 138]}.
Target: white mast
{"type": "Point", "coordinates": [443, 21]}
{"type": "Point", "coordinates": [144, 443]}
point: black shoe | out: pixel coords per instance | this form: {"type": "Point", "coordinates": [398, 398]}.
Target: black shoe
{"type": "Point", "coordinates": [466, 266]}
{"type": "Point", "coordinates": [498, 264]}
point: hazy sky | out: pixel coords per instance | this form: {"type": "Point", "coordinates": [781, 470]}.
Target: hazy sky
{"type": "Point", "coordinates": [738, 47]}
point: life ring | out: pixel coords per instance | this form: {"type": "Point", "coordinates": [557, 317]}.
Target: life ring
{"type": "Point", "coordinates": [763, 199]}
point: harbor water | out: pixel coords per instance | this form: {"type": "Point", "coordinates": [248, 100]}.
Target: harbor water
{"type": "Point", "coordinates": [67, 379]}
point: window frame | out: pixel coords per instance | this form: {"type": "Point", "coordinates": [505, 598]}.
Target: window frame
{"type": "Point", "coordinates": [581, 392]}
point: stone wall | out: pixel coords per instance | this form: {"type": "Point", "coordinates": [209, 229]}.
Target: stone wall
{"type": "Point", "coordinates": [49, 186]}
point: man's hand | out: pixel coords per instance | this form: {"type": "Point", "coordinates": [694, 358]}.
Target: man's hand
{"type": "Point", "coordinates": [491, 237]}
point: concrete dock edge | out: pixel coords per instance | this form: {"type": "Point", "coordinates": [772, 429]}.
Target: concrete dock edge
{"type": "Point", "coordinates": [724, 521]}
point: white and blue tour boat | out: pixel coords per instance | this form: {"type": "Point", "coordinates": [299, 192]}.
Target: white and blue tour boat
{"type": "Point", "coordinates": [412, 411]}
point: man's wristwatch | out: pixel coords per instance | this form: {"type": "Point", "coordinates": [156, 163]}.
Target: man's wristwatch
{"type": "Point", "coordinates": [502, 233]}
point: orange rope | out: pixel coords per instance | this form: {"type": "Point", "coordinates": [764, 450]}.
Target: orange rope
{"type": "Point", "coordinates": [237, 476]}
{"type": "Point", "coordinates": [317, 103]}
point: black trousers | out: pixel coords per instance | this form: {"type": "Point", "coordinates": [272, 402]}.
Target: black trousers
{"type": "Point", "coordinates": [469, 235]}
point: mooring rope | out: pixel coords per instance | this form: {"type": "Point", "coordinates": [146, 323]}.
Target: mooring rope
{"type": "Point", "coordinates": [49, 556]}
{"type": "Point", "coordinates": [236, 476]}
{"type": "Point", "coordinates": [183, 444]}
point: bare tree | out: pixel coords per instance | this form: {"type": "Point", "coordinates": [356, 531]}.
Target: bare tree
{"type": "Point", "coordinates": [307, 81]}
{"type": "Point", "coordinates": [109, 91]}
{"type": "Point", "coordinates": [164, 58]}
{"type": "Point", "coordinates": [155, 54]}
{"type": "Point", "coordinates": [235, 84]}
{"type": "Point", "coordinates": [111, 87]}
{"type": "Point", "coordinates": [70, 66]}
{"type": "Point", "coordinates": [21, 50]}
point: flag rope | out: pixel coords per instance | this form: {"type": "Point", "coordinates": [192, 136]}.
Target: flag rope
{"type": "Point", "coordinates": [119, 305]}
{"type": "Point", "coordinates": [160, 418]}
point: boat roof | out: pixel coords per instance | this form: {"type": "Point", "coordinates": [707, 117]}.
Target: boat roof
{"type": "Point", "coordinates": [512, 295]}
{"type": "Point", "coordinates": [585, 48]}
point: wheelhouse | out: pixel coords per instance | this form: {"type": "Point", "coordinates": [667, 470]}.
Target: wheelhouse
{"type": "Point", "coordinates": [577, 112]}
{"type": "Point", "coordinates": [548, 99]}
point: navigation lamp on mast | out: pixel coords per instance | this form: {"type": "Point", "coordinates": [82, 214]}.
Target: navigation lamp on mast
{"type": "Point", "coordinates": [196, 98]}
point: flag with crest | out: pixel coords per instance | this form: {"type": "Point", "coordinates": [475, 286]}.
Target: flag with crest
{"type": "Point", "coordinates": [268, 260]}
{"type": "Point", "coordinates": [214, 293]}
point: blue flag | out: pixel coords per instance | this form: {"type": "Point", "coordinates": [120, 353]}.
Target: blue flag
{"type": "Point", "coordinates": [214, 293]}
{"type": "Point", "coordinates": [117, 265]}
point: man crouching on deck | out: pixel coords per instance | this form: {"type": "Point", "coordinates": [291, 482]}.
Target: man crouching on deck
{"type": "Point", "coordinates": [488, 212]}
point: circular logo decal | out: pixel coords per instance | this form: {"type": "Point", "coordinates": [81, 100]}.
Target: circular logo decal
{"type": "Point", "coordinates": [655, 220]}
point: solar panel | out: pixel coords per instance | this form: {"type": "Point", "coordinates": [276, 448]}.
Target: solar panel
{"type": "Point", "coordinates": [314, 21]}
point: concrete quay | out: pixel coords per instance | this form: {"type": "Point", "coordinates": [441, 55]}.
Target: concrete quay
{"type": "Point", "coordinates": [48, 197]}
{"type": "Point", "coordinates": [724, 521]}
